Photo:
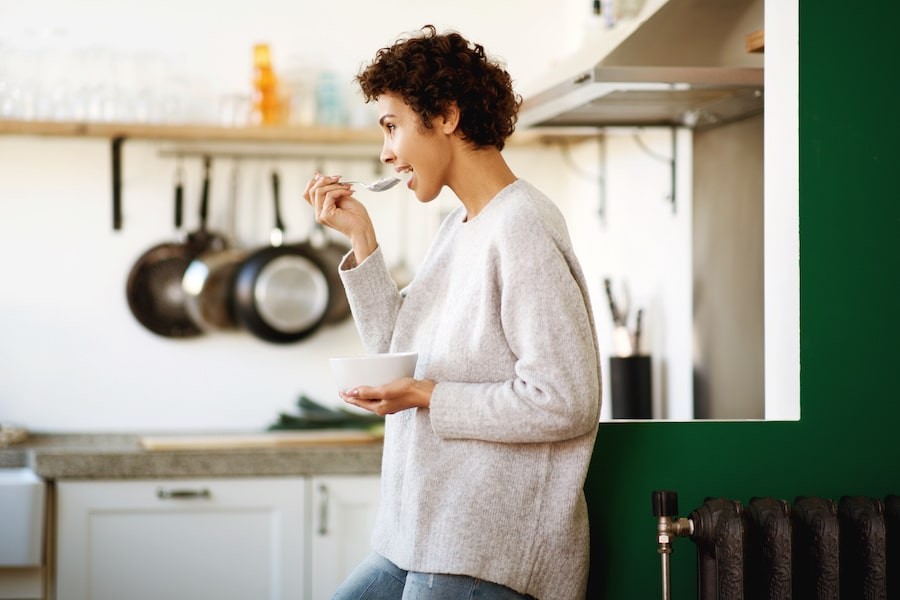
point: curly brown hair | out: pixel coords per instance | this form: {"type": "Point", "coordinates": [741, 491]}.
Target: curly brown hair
{"type": "Point", "coordinates": [431, 71]}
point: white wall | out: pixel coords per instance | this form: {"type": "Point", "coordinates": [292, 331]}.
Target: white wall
{"type": "Point", "coordinates": [643, 246]}
{"type": "Point", "coordinates": [72, 357]}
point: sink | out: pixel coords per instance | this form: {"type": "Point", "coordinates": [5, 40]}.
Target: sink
{"type": "Point", "coordinates": [22, 497]}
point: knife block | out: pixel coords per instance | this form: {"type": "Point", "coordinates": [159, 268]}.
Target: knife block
{"type": "Point", "coordinates": [631, 387]}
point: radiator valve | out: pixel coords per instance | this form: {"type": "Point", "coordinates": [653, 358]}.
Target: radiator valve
{"type": "Point", "coordinates": [668, 527]}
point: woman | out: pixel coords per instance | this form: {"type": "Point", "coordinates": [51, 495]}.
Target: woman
{"type": "Point", "coordinates": [487, 449]}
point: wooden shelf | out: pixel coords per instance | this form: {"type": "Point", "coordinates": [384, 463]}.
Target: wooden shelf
{"type": "Point", "coordinates": [283, 134]}
{"type": "Point", "coordinates": [206, 133]}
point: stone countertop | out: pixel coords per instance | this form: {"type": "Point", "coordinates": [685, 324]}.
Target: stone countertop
{"type": "Point", "coordinates": [120, 456]}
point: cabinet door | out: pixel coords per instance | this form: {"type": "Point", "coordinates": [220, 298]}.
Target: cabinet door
{"type": "Point", "coordinates": [344, 510]}
{"type": "Point", "coordinates": [181, 539]}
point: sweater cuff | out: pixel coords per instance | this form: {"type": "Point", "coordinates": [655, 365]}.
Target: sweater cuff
{"type": "Point", "coordinates": [370, 267]}
{"type": "Point", "coordinates": [349, 263]}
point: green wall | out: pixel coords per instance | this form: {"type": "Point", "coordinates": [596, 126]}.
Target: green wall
{"type": "Point", "coordinates": [846, 441]}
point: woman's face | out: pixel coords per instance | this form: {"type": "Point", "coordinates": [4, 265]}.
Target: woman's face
{"type": "Point", "coordinates": [411, 147]}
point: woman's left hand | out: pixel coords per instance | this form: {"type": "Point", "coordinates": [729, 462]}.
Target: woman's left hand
{"type": "Point", "coordinates": [393, 397]}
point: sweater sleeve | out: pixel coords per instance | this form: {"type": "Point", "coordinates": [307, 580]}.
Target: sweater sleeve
{"type": "Point", "coordinates": [374, 299]}
{"type": "Point", "coordinates": [554, 392]}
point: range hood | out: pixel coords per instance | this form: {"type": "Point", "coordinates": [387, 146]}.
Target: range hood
{"type": "Point", "coordinates": [679, 63]}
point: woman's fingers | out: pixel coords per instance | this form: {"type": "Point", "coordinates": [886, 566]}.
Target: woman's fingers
{"type": "Point", "coordinates": [393, 397]}
{"type": "Point", "coordinates": [363, 397]}
{"type": "Point", "coordinates": [334, 206]}
{"type": "Point", "coordinates": [307, 191]}
{"type": "Point", "coordinates": [323, 194]}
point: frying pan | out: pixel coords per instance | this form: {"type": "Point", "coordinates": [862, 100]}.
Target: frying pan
{"type": "Point", "coordinates": [208, 280]}
{"type": "Point", "coordinates": [153, 289]}
{"type": "Point", "coordinates": [281, 292]}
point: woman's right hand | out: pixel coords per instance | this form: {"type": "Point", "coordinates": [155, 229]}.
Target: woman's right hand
{"type": "Point", "coordinates": [335, 207]}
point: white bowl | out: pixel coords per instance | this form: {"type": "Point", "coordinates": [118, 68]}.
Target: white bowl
{"type": "Point", "coordinates": [372, 370]}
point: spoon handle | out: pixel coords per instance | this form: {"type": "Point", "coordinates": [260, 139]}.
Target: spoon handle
{"type": "Point", "coordinates": [376, 186]}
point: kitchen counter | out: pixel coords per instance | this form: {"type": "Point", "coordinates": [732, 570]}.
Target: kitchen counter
{"type": "Point", "coordinates": [121, 456]}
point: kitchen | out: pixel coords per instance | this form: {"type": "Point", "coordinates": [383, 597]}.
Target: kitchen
{"type": "Point", "coordinates": [72, 214]}
{"type": "Point", "coordinates": [125, 378]}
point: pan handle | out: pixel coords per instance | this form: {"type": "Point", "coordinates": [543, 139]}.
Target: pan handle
{"type": "Point", "coordinates": [179, 204]}
{"type": "Point", "coordinates": [277, 236]}
{"type": "Point", "coordinates": [204, 195]}
{"type": "Point", "coordinates": [179, 194]}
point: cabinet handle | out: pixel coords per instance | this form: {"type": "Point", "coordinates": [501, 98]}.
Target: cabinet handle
{"type": "Point", "coordinates": [183, 494]}
{"type": "Point", "coordinates": [323, 509]}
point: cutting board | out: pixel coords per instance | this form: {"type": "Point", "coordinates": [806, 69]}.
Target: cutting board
{"type": "Point", "coordinates": [274, 439]}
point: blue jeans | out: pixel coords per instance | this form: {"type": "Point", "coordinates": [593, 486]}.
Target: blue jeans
{"type": "Point", "coordinates": [377, 578]}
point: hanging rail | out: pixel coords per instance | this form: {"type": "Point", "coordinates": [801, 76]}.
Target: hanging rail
{"type": "Point", "coordinates": [349, 151]}
{"type": "Point", "coordinates": [319, 142]}
{"type": "Point", "coordinates": [269, 155]}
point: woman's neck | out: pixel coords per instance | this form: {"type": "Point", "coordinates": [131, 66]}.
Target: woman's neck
{"type": "Point", "coordinates": [480, 174]}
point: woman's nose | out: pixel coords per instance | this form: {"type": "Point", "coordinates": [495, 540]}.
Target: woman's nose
{"type": "Point", "coordinates": [387, 154]}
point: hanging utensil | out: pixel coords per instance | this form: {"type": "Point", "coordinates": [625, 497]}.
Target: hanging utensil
{"type": "Point", "coordinates": [638, 330]}
{"type": "Point", "coordinates": [281, 292]}
{"type": "Point", "coordinates": [613, 309]}
{"type": "Point", "coordinates": [153, 289]}
{"type": "Point", "coordinates": [208, 280]}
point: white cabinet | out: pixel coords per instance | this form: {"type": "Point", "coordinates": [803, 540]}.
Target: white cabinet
{"type": "Point", "coordinates": [344, 510]}
{"type": "Point", "coordinates": [217, 539]}
{"type": "Point", "coordinates": [182, 539]}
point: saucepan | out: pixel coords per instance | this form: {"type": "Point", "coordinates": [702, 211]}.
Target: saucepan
{"type": "Point", "coordinates": [281, 292]}
{"type": "Point", "coordinates": [208, 280]}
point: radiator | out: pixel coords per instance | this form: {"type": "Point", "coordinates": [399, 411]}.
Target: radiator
{"type": "Point", "coordinates": [772, 549]}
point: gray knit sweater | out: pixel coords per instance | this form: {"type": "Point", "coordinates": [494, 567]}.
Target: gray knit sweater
{"type": "Point", "coordinates": [488, 481]}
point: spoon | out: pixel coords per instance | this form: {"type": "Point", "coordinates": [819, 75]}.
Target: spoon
{"type": "Point", "coordinates": [381, 185]}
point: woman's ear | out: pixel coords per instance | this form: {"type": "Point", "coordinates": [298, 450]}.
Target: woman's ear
{"type": "Point", "coordinates": [450, 119]}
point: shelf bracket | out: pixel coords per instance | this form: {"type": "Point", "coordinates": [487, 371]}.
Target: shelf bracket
{"type": "Point", "coordinates": [116, 152]}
